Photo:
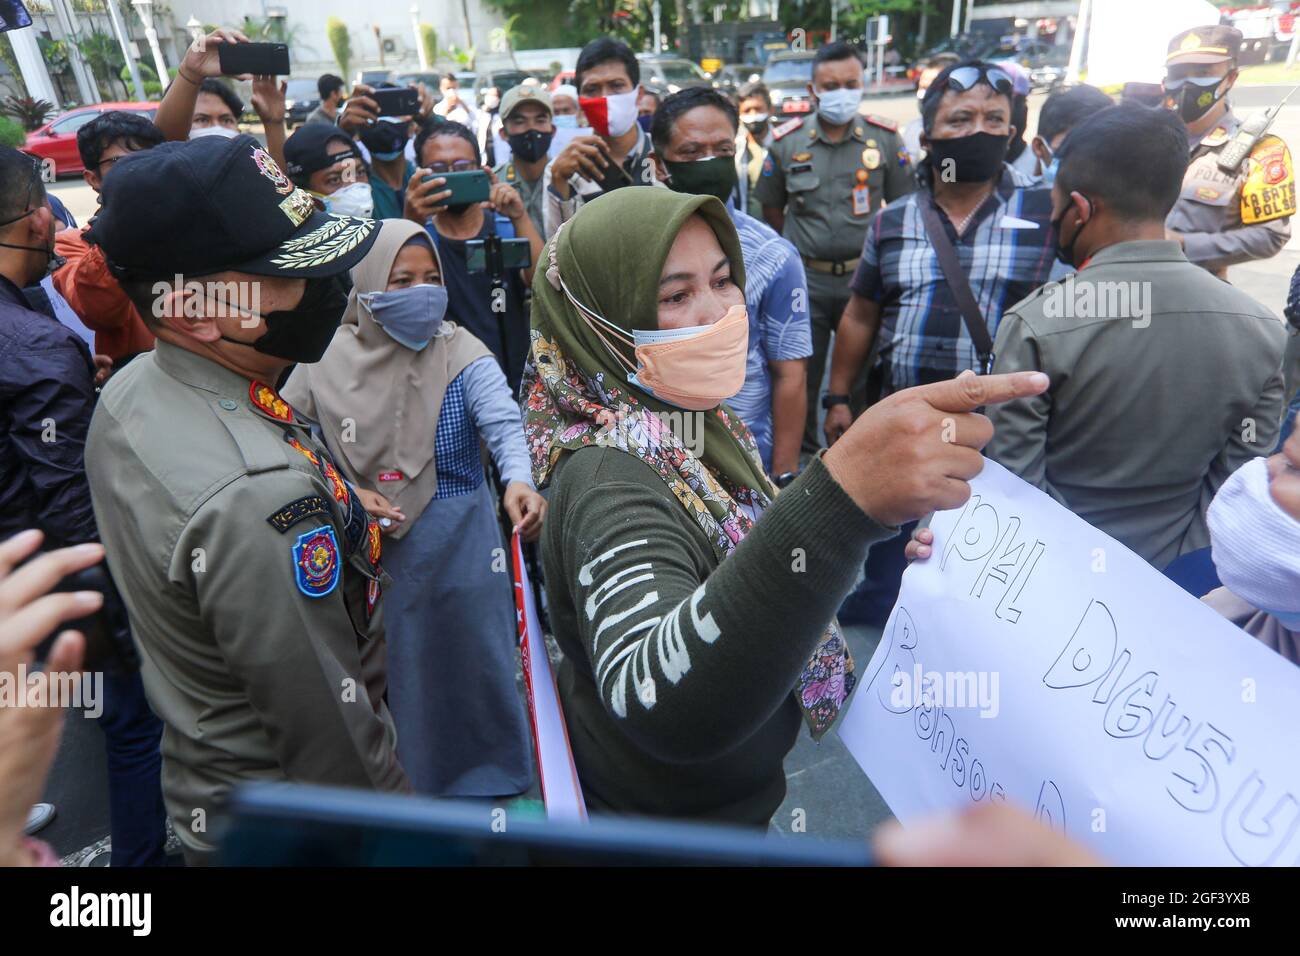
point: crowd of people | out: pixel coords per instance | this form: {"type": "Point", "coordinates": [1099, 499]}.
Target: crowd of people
{"type": "Point", "coordinates": [290, 394]}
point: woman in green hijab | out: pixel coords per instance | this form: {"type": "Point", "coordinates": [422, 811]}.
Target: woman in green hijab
{"type": "Point", "coordinates": [695, 632]}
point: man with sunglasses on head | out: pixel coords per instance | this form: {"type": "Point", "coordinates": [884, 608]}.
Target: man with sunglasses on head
{"type": "Point", "coordinates": [1227, 212]}
{"type": "Point", "coordinates": [991, 225]}
{"type": "Point", "coordinates": [821, 182]}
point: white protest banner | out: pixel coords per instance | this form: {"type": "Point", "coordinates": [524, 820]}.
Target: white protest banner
{"type": "Point", "coordinates": [1036, 660]}
{"type": "Point", "coordinates": [561, 790]}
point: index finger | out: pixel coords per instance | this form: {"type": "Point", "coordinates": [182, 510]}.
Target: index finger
{"type": "Point", "coordinates": [969, 391]}
{"type": "Point", "coordinates": [39, 575]}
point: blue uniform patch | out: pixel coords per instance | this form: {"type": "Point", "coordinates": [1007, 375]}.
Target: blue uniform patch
{"type": "Point", "coordinates": [316, 562]}
{"type": "Point", "coordinates": [768, 166]}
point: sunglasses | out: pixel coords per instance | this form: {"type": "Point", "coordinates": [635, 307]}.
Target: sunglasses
{"type": "Point", "coordinates": [966, 77]}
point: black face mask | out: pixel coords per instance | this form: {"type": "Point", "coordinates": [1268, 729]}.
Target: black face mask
{"type": "Point", "coordinates": [968, 159]}
{"type": "Point", "coordinates": [385, 138]}
{"type": "Point", "coordinates": [758, 128]}
{"type": "Point", "coordinates": [1065, 254]}
{"type": "Point", "coordinates": [52, 262]}
{"type": "Point", "coordinates": [303, 333]}
{"type": "Point", "coordinates": [715, 176]}
{"type": "Point", "coordinates": [531, 146]}
{"type": "Point", "coordinates": [1193, 100]}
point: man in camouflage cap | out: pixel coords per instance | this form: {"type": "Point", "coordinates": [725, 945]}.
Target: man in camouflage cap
{"type": "Point", "coordinates": [1228, 212]}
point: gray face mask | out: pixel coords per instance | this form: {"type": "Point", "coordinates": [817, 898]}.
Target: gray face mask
{"type": "Point", "coordinates": [411, 316]}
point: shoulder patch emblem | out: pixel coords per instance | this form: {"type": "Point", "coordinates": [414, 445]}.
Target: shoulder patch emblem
{"type": "Point", "coordinates": [316, 562]}
{"type": "Point", "coordinates": [268, 400]}
{"type": "Point", "coordinates": [289, 515]}
{"type": "Point", "coordinates": [768, 166]}
{"type": "Point", "coordinates": [789, 126]}
{"type": "Point", "coordinates": [1268, 192]}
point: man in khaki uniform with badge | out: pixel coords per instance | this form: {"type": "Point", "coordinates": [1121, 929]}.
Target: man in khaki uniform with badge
{"type": "Point", "coordinates": [526, 125]}
{"type": "Point", "coordinates": [1239, 192]}
{"type": "Point", "coordinates": [1164, 380]}
{"type": "Point", "coordinates": [822, 180]}
{"type": "Point", "coordinates": [249, 567]}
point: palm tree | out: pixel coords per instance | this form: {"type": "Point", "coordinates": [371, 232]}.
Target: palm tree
{"type": "Point", "coordinates": [104, 56]}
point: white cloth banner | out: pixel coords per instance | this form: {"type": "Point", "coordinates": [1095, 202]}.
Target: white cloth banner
{"type": "Point", "coordinates": [561, 790]}
{"type": "Point", "coordinates": [1036, 660]}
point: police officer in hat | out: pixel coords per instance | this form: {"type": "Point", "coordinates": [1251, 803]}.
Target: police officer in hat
{"type": "Point", "coordinates": [1232, 208]}
{"type": "Point", "coordinates": [526, 125]}
{"type": "Point", "coordinates": [822, 179]}
{"type": "Point", "coordinates": [249, 567]}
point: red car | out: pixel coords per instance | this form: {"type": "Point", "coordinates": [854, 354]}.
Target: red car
{"type": "Point", "coordinates": [57, 139]}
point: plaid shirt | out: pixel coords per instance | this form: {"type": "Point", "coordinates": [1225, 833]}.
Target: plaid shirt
{"type": "Point", "coordinates": [1007, 251]}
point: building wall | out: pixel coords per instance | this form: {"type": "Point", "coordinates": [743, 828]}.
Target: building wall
{"type": "Point", "coordinates": [311, 52]}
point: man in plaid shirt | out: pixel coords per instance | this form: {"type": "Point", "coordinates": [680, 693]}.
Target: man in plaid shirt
{"type": "Point", "coordinates": [998, 221]}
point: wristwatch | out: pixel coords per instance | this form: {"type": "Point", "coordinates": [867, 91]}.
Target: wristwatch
{"type": "Point", "coordinates": [784, 478]}
{"type": "Point", "coordinates": [830, 399]}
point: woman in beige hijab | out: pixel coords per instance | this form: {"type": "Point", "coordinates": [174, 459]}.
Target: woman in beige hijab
{"type": "Point", "coordinates": [403, 398]}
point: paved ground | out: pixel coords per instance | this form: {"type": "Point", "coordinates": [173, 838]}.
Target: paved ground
{"type": "Point", "coordinates": [837, 800]}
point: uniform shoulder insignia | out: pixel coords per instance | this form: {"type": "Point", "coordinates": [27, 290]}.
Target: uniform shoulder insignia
{"type": "Point", "coordinates": [882, 122]}
{"type": "Point", "coordinates": [1268, 192]}
{"type": "Point", "coordinates": [268, 400]}
{"type": "Point", "coordinates": [284, 518]}
{"type": "Point", "coordinates": [316, 562]}
{"type": "Point", "coordinates": [786, 128]}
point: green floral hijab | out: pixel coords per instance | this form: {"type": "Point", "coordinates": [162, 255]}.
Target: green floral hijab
{"type": "Point", "coordinates": [609, 258]}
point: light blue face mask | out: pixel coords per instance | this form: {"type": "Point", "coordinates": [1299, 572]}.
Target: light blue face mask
{"type": "Point", "coordinates": [565, 121]}
{"type": "Point", "coordinates": [1049, 171]}
{"type": "Point", "coordinates": [411, 316]}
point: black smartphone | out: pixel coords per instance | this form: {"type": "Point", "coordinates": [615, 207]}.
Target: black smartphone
{"type": "Point", "coordinates": [260, 59]}
{"type": "Point", "coordinates": [466, 187]}
{"type": "Point", "coordinates": [403, 102]}
{"type": "Point", "coordinates": [107, 631]}
{"type": "Point", "coordinates": [615, 177]}
{"type": "Point", "coordinates": [515, 254]}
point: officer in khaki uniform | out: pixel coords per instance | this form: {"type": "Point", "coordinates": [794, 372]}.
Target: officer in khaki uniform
{"type": "Point", "coordinates": [532, 131]}
{"type": "Point", "coordinates": [823, 178]}
{"type": "Point", "coordinates": [1164, 379]}
{"type": "Point", "coordinates": [1228, 212]}
{"type": "Point", "coordinates": [249, 566]}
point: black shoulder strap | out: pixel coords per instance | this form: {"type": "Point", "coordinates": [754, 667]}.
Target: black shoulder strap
{"type": "Point", "coordinates": [959, 284]}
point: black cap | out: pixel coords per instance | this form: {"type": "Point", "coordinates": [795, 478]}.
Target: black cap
{"type": "Point", "coordinates": [214, 204]}
{"type": "Point", "coordinates": [305, 151]}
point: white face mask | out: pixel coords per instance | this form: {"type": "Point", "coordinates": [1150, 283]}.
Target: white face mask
{"type": "Point", "coordinates": [565, 120]}
{"type": "Point", "coordinates": [1255, 544]}
{"type": "Point", "coordinates": [838, 107]}
{"type": "Point", "coordinates": [223, 131]}
{"type": "Point", "coordinates": [354, 199]}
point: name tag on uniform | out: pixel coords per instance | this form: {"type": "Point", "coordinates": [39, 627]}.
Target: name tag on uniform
{"type": "Point", "coordinates": [1013, 222]}
{"type": "Point", "coordinates": [861, 200]}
